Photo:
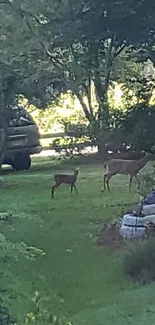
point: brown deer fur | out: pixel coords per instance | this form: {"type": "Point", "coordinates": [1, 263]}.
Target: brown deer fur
{"type": "Point", "coordinates": [65, 179]}
{"type": "Point", "coordinates": [127, 167]}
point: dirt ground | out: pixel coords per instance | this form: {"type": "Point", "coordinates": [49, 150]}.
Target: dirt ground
{"type": "Point", "coordinates": [110, 238]}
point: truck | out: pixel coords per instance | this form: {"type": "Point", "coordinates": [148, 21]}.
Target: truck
{"type": "Point", "coordinates": [23, 139]}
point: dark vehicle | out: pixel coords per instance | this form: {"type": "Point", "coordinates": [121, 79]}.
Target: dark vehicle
{"type": "Point", "coordinates": [23, 139]}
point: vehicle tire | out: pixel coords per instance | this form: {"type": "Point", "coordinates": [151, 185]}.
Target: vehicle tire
{"type": "Point", "coordinates": [21, 162]}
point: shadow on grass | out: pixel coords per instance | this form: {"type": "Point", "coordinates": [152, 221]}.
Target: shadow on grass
{"type": "Point", "coordinates": [53, 163]}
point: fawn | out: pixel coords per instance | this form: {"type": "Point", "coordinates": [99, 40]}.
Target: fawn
{"type": "Point", "coordinates": [65, 179]}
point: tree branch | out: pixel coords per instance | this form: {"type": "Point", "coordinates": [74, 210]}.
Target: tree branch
{"type": "Point", "coordinates": [97, 80]}
{"type": "Point", "coordinates": [23, 14]}
{"type": "Point", "coordinates": [119, 50]}
{"type": "Point", "coordinates": [84, 106]}
{"type": "Point", "coordinates": [110, 59]}
{"type": "Point", "coordinates": [88, 113]}
{"type": "Point", "coordinates": [88, 94]}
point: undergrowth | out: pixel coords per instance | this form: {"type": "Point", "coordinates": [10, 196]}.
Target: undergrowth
{"type": "Point", "coordinates": [139, 260]}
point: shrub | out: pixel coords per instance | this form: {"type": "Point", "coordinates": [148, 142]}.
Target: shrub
{"type": "Point", "coordinates": [76, 140]}
{"type": "Point", "coordinates": [14, 252]}
{"type": "Point", "coordinates": [40, 315]}
{"type": "Point", "coordinates": [139, 261]}
{"type": "Point", "coordinates": [69, 146]}
{"type": "Point", "coordinates": [147, 182]}
{"type": "Point", "coordinates": [5, 318]}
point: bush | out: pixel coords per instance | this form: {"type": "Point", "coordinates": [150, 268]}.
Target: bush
{"type": "Point", "coordinates": [69, 146]}
{"type": "Point", "coordinates": [76, 140]}
{"type": "Point", "coordinates": [40, 315]}
{"type": "Point", "coordinates": [139, 262]}
{"type": "Point", "coordinates": [147, 182]}
{"type": "Point", "coordinates": [5, 318]}
{"type": "Point", "coordinates": [138, 127]}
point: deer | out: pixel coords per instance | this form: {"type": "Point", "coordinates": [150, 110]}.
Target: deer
{"type": "Point", "coordinates": [127, 167]}
{"type": "Point", "coordinates": [69, 179]}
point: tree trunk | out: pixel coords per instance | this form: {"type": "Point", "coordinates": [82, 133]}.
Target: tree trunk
{"type": "Point", "coordinates": [3, 122]}
{"type": "Point", "coordinates": [3, 137]}
{"type": "Point", "coordinates": [102, 151]}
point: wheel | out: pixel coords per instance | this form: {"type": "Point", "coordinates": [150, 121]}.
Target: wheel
{"type": "Point", "coordinates": [21, 162]}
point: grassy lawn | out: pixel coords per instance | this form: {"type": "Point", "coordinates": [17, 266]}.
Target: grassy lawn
{"type": "Point", "coordinates": [77, 280]}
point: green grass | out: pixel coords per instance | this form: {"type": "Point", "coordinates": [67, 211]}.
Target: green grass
{"type": "Point", "coordinates": [77, 279]}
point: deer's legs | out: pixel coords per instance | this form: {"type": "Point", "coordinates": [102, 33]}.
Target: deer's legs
{"type": "Point", "coordinates": [130, 182]}
{"type": "Point", "coordinates": [108, 176]}
{"type": "Point", "coordinates": [137, 180]}
{"type": "Point", "coordinates": [52, 192]}
{"type": "Point", "coordinates": [53, 189]}
{"type": "Point", "coordinates": [104, 182]}
{"type": "Point", "coordinates": [107, 181]}
{"type": "Point", "coordinates": [73, 185]}
{"type": "Point", "coordinates": [75, 189]}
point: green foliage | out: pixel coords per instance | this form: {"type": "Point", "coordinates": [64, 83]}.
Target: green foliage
{"type": "Point", "coordinates": [40, 316]}
{"type": "Point", "coordinates": [5, 318]}
{"type": "Point", "coordinates": [47, 119]}
{"type": "Point", "coordinates": [74, 142]}
{"type": "Point", "coordinates": [138, 127]}
{"type": "Point", "coordinates": [58, 61]}
{"type": "Point", "coordinates": [69, 146]}
{"type": "Point", "coordinates": [147, 182]}
{"type": "Point", "coordinates": [139, 261]}
{"type": "Point", "coordinates": [78, 136]}
{"type": "Point", "coordinates": [13, 251]}
{"type": "Point", "coordinates": [45, 59]}
{"type": "Point", "coordinates": [75, 272]}
{"type": "Point", "coordinates": [65, 112]}
{"type": "Point", "coordinates": [73, 275]}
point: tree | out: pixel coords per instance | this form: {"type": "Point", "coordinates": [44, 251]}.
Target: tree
{"type": "Point", "coordinates": [79, 42]}
{"type": "Point", "coordinates": [20, 72]}
{"type": "Point", "coordinates": [8, 69]}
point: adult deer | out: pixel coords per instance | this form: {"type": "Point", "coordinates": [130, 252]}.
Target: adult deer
{"type": "Point", "coordinates": [127, 167]}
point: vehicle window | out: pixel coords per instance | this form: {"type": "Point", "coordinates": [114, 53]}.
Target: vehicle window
{"type": "Point", "coordinates": [18, 116]}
